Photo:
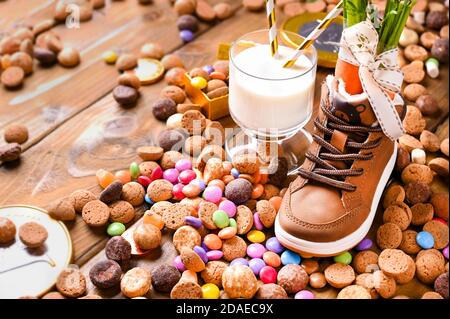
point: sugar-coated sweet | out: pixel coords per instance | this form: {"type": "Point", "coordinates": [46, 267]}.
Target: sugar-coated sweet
{"type": "Point", "coordinates": [256, 236]}
{"type": "Point", "coordinates": [210, 291]}
{"type": "Point", "coordinates": [274, 245]}
{"type": "Point", "coordinates": [364, 244]}
{"type": "Point", "coordinates": [228, 206]}
{"type": "Point", "coordinates": [257, 222]}
{"type": "Point", "coordinates": [272, 259]}
{"type": "Point", "coordinates": [177, 263]}
{"type": "Point", "coordinates": [255, 250]}
{"type": "Point", "coordinates": [202, 253]}
{"type": "Point", "coordinates": [115, 229]}
{"type": "Point", "coordinates": [239, 261]}
{"type": "Point", "coordinates": [344, 258]}
{"type": "Point", "coordinates": [214, 254]}
{"type": "Point", "coordinates": [220, 219]}
{"type": "Point", "coordinates": [212, 194]}
{"type": "Point", "coordinates": [212, 241]}
{"type": "Point", "coordinates": [268, 275]}
{"type": "Point", "coordinates": [304, 294]}
{"type": "Point", "coordinates": [425, 240]}
{"type": "Point", "coordinates": [193, 221]}
{"type": "Point", "coordinates": [289, 257]}
{"type": "Point", "coordinates": [171, 175]}
{"type": "Point", "coordinates": [256, 264]}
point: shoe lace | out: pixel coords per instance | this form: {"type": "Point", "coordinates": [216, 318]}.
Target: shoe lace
{"type": "Point", "coordinates": [326, 173]}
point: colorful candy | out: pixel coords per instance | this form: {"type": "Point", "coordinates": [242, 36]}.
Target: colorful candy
{"type": "Point", "coordinates": [123, 176]}
{"type": "Point", "coordinates": [153, 219]}
{"type": "Point", "coordinates": [272, 259]}
{"type": "Point", "coordinates": [256, 236]}
{"type": "Point", "coordinates": [171, 175]}
{"type": "Point", "coordinates": [274, 245]}
{"type": "Point", "coordinates": [445, 252]}
{"type": "Point", "coordinates": [227, 232]}
{"type": "Point", "coordinates": [239, 261]}
{"type": "Point", "coordinates": [157, 173]}
{"type": "Point", "coordinates": [186, 35]}
{"type": "Point", "coordinates": [235, 172]}
{"type": "Point", "coordinates": [208, 68]}
{"type": "Point", "coordinates": [134, 170]}
{"type": "Point", "coordinates": [193, 221]}
{"type": "Point", "coordinates": [183, 164]}
{"type": "Point", "coordinates": [110, 56]}
{"type": "Point", "coordinates": [344, 258]}
{"type": "Point", "coordinates": [104, 178]}
{"type": "Point", "coordinates": [202, 253]}
{"type": "Point", "coordinates": [304, 294]}
{"type": "Point", "coordinates": [144, 180]}
{"type": "Point", "coordinates": [115, 229]}
{"type": "Point", "coordinates": [148, 200]}
{"type": "Point", "coordinates": [255, 250]}
{"type": "Point", "coordinates": [256, 264]}
{"type": "Point", "coordinates": [199, 183]}
{"type": "Point", "coordinates": [289, 257]}
{"type": "Point", "coordinates": [214, 254]}
{"type": "Point", "coordinates": [199, 83]}
{"type": "Point", "coordinates": [210, 291]}
{"type": "Point", "coordinates": [425, 240]}
{"type": "Point", "coordinates": [228, 206]}
{"type": "Point", "coordinates": [364, 244]}
{"type": "Point", "coordinates": [257, 222]}
{"type": "Point", "coordinates": [178, 264]}
{"type": "Point", "coordinates": [212, 241]}
{"type": "Point", "coordinates": [220, 219]}
{"type": "Point", "coordinates": [233, 223]}
{"type": "Point", "coordinates": [177, 191]}
{"type": "Point", "coordinates": [191, 190]}
{"type": "Point", "coordinates": [212, 194]}
{"type": "Point", "coordinates": [268, 275]}
{"type": "Point", "coordinates": [186, 176]}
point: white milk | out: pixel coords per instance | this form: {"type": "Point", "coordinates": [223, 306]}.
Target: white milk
{"type": "Point", "coordinates": [268, 96]}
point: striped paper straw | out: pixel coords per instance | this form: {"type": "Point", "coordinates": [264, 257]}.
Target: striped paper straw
{"type": "Point", "coordinates": [270, 6]}
{"type": "Point", "coordinates": [315, 33]}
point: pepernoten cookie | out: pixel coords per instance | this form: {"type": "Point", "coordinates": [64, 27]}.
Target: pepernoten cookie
{"type": "Point", "coordinates": [174, 216]}
{"type": "Point", "coordinates": [7, 230]}
{"type": "Point", "coordinates": [213, 272]}
{"type": "Point", "coordinates": [398, 213]}
{"type": "Point", "coordinates": [429, 265]}
{"type": "Point", "coordinates": [292, 278]}
{"type": "Point", "coordinates": [389, 235]}
{"type": "Point", "coordinates": [118, 249]}
{"type": "Point", "coordinates": [233, 248]}
{"type": "Point", "coordinates": [164, 277]}
{"type": "Point", "coordinates": [395, 263]}
{"type": "Point", "coordinates": [421, 214]}
{"type": "Point", "coordinates": [266, 212]}
{"type": "Point", "coordinates": [191, 260]}
{"type": "Point", "coordinates": [80, 198]}
{"type": "Point", "coordinates": [393, 194]}
{"type": "Point", "coordinates": [133, 193]}
{"type": "Point", "coordinates": [439, 231]}
{"type": "Point", "coordinates": [96, 213]}
{"type": "Point", "coordinates": [160, 207]}
{"type": "Point", "coordinates": [32, 234]}
{"type": "Point", "coordinates": [205, 213]}
{"type": "Point", "coordinates": [384, 285]}
{"type": "Point", "coordinates": [135, 283]}
{"type": "Point", "coordinates": [365, 261]}
{"type": "Point", "coordinates": [160, 190]}
{"type": "Point", "coordinates": [71, 283]}
{"type": "Point", "coordinates": [354, 292]}
{"type": "Point", "coordinates": [122, 212]}
{"type": "Point", "coordinates": [105, 274]}
{"type": "Point", "coordinates": [244, 219]}
{"type": "Point", "coordinates": [271, 291]}
{"type": "Point", "coordinates": [409, 244]}
{"type": "Point", "coordinates": [441, 285]}
{"type": "Point", "coordinates": [339, 275]}
{"type": "Point", "coordinates": [186, 236]}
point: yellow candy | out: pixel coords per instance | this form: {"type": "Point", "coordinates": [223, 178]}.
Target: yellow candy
{"type": "Point", "coordinates": [199, 83]}
{"type": "Point", "coordinates": [210, 291]}
{"type": "Point", "coordinates": [110, 57]}
{"type": "Point", "coordinates": [256, 236]}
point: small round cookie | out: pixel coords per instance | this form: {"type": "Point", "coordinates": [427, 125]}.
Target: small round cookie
{"type": "Point", "coordinates": [431, 295]}
{"type": "Point", "coordinates": [233, 248]}
{"type": "Point", "coordinates": [191, 260]}
{"type": "Point", "coordinates": [121, 212]}
{"type": "Point", "coordinates": [393, 194]}
{"type": "Point", "coordinates": [317, 280]}
{"type": "Point", "coordinates": [32, 234]}
{"type": "Point", "coordinates": [118, 249]}
{"type": "Point", "coordinates": [421, 214]}
{"type": "Point", "coordinates": [186, 290]}
{"type": "Point", "coordinates": [389, 235]}
{"type": "Point", "coordinates": [105, 274]}
{"type": "Point", "coordinates": [271, 291]}
{"type": "Point", "coordinates": [169, 159]}
{"type": "Point", "coordinates": [174, 217]}
{"type": "Point", "coordinates": [133, 193]}
{"type": "Point", "coordinates": [205, 213]}
{"type": "Point", "coordinates": [80, 198]}
{"type": "Point", "coordinates": [95, 213]}
{"type": "Point", "coordinates": [270, 191]}
{"type": "Point", "coordinates": [147, 236]}
{"type": "Point", "coordinates": [146, 168]}
{"type": "Point", "coordinates": [429, 265]}
{"type": "Point", "coordinates": [417, 173]}
{"type": "Point", "coordinates": [91, 297]}
{"type": "Point", "coordinates": [408, 275]}
{"type": "Point", "coordinates": [135, 283]}
{"type": "Point", "coordinates": [71, 283]}
{"type": "Point", "coordinates": [239, 281]}
{"type": "Point", "coordinates": [160, 207]}
{"type": "Point", "coordinates": [417, 192]}
{"type": "Point", "coordinates": [384, 285]}
{"type": "Point", "coordinates": [441, 285]}
{"type": "Point", "coordinates": [399, 214]}
{"type": "Point", "coordinates": [266, 213]}
{"type": "Point", "coordinates": [194, 122]}
{"type": "Point", "coordinates": [292, 278]}
{"type": "Point", "coordinates": [393, 262]}
{"type": "Point", "coordinates": [7, 230]}
{"type": "Point", "coordinates": [409, 244]}
{"type": "Point", "coordinates": [53, 295]}
{"type": "Point", "coordinates": [339, 275]}
{"type": "Point", "coordinates": [354, 292]}
{"type": "Point", "coordinates": [160, 190]}
{"type": "Point", "coordinates": [213, 272]}
{"type": "Point", "coordinates": [244, 219]}
{"type": "Point", "coordinates": [186, 236]}
{"type": "Point", "coordinates": [164, 277]}
{"type": "Point", "coordinates": [365, 261]}
{"type": "Point", "coordinates": [62, 210]}
{"type": "Point", "coordinates": [439, 231]}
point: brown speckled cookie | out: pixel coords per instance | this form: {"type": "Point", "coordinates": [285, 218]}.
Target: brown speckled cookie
{"type": "Point", "coordinates": [394, 262]}
{"type": "Point", "coordinates": [205, 213]}
{"type": "Point", "coordinates": [365, 261]}
{"type": "Point", "coordinates": [292, 278]}
{"type": "Point", "coordinates": [122, 212]}
{"type": "Point", "coordinates": [439, 231]}
{"type": "Point", "coordinates": [366, 280]}
{"type": "Point", "coordinates": [409, 244]}
{"type": "Point", "coordinates": [133, 193]}
{"type": "Point", "coordinates": [399, 214]}
{"type": "Point", "coordinates": [53, 295]}
{"type": "Point", "coordinates": [213, 272]}
{"type": "Point", "coordinates": [234, 248]}
{"type": "Point", "coordinates": [186, 236]}
{"type": "Point", "coordinates": [169, 159]}
{"type": "Point", "coordinates": [429, 265]}
{"type": "Point", "coordinates": [194, 122]}
{"type": "Point", "coordinates": [441, 285]}
{"type": "Point", "coordinates": [80, 198]}
{"type": "Point", "coordinates": [191, 260]}
{"type": "Point", "coordinates": [135, 283]}
{"type": "Point", "coordinates": [421, 214]}
{"type": "Point", "coordinates": [271, 291]}
{"type": "Point", "coordinates": [389, 235]}
{"type": "Point", "coordinates": [431, 295]}
{"type": "Point", "coordinates": [146, 168]}
{"type": "Point", "coordinates": [394, 193]}
{"type": "Point", "coordinates": [408, 275]}
{"type": "Point", "coordinates": [96, 213]}
{"type": "Point", "coordinates": [339, 275]}
{"type": "Point", "coordinates": [62, 209]}
{"type": "Point", "coordinates": [175, 216]}
{"type": "Point", "coordinates": [354, 292]}
{"type": "Point", "coordinates": [384, 285]}
{"type": "Point", "coordinates": [32, 234]}
{"type": "Point", "coordinates": [186, 290]}
{"type": "Point", "coordinates": [417, 173]}
{"type": "Point", "coordinates": [160, 190]}
{"type": "Point", "coordinates": [266, 212]}
{"type": "Point", "coordinates": [7, 230]}
{"type": "Point", "coordinates": [71, 283]}
{"type": "Point", "coordinates": [244, 219]}
{"type": "Point", "coordinates": [160, 207]}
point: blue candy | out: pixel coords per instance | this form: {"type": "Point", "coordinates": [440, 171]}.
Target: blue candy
{"type": "Point", "coordinates": [186, 35]}
{"type": "Point", "coordinates": [289, 257]}
{"type": "Point", "coordinates": [235, 172]}
{"type": "Point", "coordinates": [425, 240]}
{"type": "Point", "coordinates": [208, 68]}
{"type": "Point", "coordinates": [274, 245]}
{"type": "Point", "coordinates": [148, 200]}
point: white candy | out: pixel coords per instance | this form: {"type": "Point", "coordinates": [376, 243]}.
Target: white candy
{"type": "Point", "coordinates": [432, 66]}
{"type": "Point", "coordinates": [418, 156]}
{"type": "Point", "coordinates": [174, 121]}
{"type": "Point", "coordinates": [408, 37]}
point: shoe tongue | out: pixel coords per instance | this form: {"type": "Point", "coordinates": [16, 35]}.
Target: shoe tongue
{"type": "Point", "coordinates": [355, 110]}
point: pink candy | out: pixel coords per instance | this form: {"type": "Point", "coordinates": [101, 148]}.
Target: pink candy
{"type": "Point", "coordinates": [186, 176]}
{"type": "Point", "coordinates": [178, 264]}
{"type": "Point", "coordinates": [214, 254]}
{"type": "Point", "coordinates": [228, 207]}
{"type": "Point", "coordinates": [257, 222]}
{"type": "Point", "coordinates": [255, 250]}
{"type": "Point", "coordinates": [212, 194]}
{"type": "Point", "coordinates": [268, 275]}
{"type": "Point", "coordinates": [183, 164]}
{"type": "Point", "coordinates": [171, 175]}
{"type": "Point", "coordinates": [177, 191]}
{"type": "Point", "coordinates": [304, 294]}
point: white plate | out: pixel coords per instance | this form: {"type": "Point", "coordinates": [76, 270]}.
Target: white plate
{"type": "Point", "coordinates": [32, 272]}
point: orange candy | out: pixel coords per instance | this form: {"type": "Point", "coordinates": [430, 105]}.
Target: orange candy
{"type": "Point", "coordinates": [218, 76]}
{"type": "Point", "coordinates": [104, 178]}
{"type": "Point", "coordinates": [212, 241]}
{"type": "Point", "coordinates": [227, 232]}
{"type": "Point", "coordinates": [272, 259]}
{"type": "Point", "coordinates": [227, 178]}
{"type": "Point", "coordinates": [276, 202]}
{"type": "Point", "coordinates": [153, 219]}
{"type": "Point", "coordinates": [258, 190]}
{"type": "Point", "coordinates": [124, 176]}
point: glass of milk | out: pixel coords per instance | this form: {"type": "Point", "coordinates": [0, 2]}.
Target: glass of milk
{"type": "Point", "coordinates": [267, 101]}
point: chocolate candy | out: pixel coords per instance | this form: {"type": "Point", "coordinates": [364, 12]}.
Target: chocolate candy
{"type": "Point", "coordinates": [125, 95]}
{"type": "Point", "coordinates": [118, 249]}
{"type": "Point", "coordinates": [171, 140]}
{"type": "Point", "coordinates": [187, 22]}
{"type": "Point", "coordinates": [163, 108]}
{"type": "Point", "coordinates": [105, 274]}
{"type": "Point", "coordinates": [111, 193]}
{"type": "Point", "coordinates": [165, 277]}
{"type": "Point", "coordinates": [238, 191]}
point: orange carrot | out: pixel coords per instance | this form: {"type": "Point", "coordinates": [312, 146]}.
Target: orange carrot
{"type": "Point", "coordinates": [349, 74]}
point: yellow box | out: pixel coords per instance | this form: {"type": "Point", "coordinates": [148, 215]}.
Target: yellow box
{"type": "Point", "coordinates": [213, 109]}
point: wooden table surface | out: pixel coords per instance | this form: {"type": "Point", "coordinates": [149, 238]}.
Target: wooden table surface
{"type": "Point", "coordinates": [75, 125]}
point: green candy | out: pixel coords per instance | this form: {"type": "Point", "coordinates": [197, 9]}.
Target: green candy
{"type": "Point", "coordinates": [134, 170]}
{"type": "Point", "coordinates": [232, 223]}
{"type": "Point", "coordinates": [344, 258]}
{"type": "Point", "coordinates": [115, 229]}
{"type": "Point", "coordinates": [221, 219]}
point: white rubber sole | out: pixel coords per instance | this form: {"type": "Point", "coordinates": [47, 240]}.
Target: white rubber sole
{"type": "Point", "coordinates": [319, 249]}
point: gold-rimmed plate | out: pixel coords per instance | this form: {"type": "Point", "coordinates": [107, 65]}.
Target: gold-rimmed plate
{"type": "Point", "coordinates": [32, 272]}
{"type": "Point", "coordinates": [327, 45]}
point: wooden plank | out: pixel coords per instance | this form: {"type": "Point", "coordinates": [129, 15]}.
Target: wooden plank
{"type": "Point", "coordinates": [51, 96]}
{"type": "Point", "coordinates": [23, 12]}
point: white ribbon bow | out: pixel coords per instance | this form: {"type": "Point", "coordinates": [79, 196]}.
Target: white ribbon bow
{"type": "Point", "coordinates": [377, 74]}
